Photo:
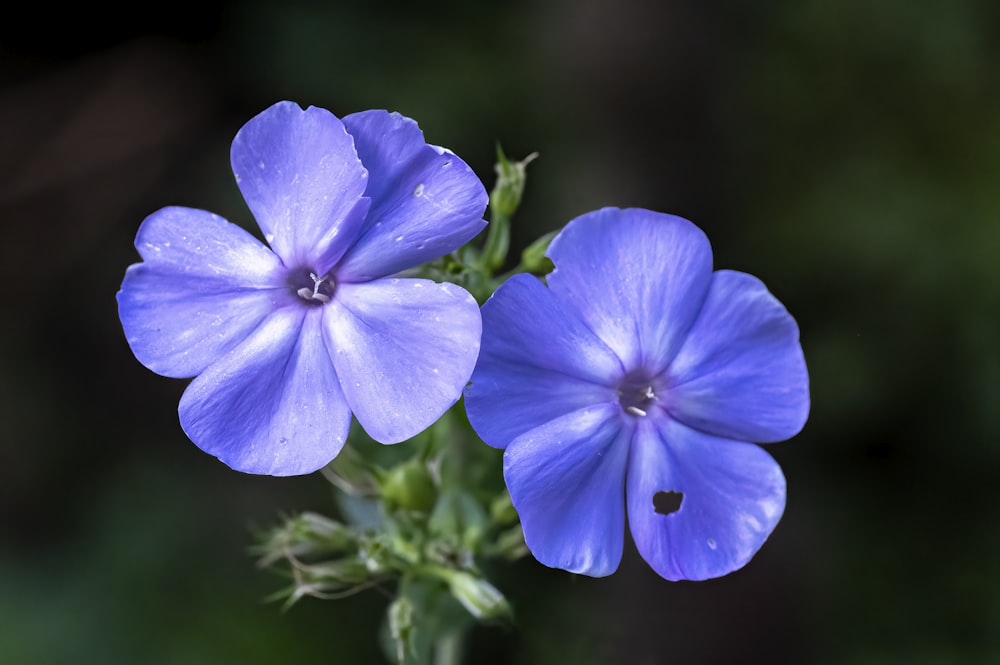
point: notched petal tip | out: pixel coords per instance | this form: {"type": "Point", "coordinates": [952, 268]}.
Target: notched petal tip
{"type": "Point", "coordinates": [638, 277]}
{"type": "Point", "coordinates": [300, 175]}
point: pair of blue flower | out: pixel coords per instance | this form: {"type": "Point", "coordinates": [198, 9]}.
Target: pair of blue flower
{"type": "Point", "coordinates": [633, 371]}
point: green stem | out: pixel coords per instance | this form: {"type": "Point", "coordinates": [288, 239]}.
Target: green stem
{"type": "Point", "coordinates": [497, 243]}
{"type": "Point", "coordinates": [448, 649]}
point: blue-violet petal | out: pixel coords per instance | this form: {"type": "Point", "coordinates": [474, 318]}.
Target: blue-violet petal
{"type": "Point", "coordinates": [403, 349]}
{"type": "Point", "coordinates": [566, 480]}
{"type": "Point", "coordinates": [741, 373]}
{"type": "Point", "coordinates": [733, 495]}
{"type": "Point", "coordinates": [301, 177]}
{"type": "Point", "coordinates": [426, 200]}
{"type": "Point", "coordinates": [273, 405]}
{"type": "Point", "coordinates": [637, 277]}
{"type": "Point", "coordinates": [204, 285]}
{"type": "Point", "coordinates": [539, 361]}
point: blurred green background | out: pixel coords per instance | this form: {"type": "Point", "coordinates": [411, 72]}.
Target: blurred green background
{"type": "Point", "coordinates": [847, 153]}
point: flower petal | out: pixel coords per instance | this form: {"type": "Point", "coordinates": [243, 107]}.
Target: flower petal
{"type": "Point", "coordinates": [204, 285]}
{"type": "Point", "coordinates": [539, 361]}
{"type": "Point", "coordinates": [301, 177]}
{"type": "Point", "coordinates": [741, 373]}
{"type": "Point", "coordinates": [426, 201]}
{"type": "Point", "coordinates": [273, 405]}
{"type": "Point", "coordinates": [637, 277]}
{"type": "Point", "coordinates": [733, 496]}
{"type": "Point", "coordinates": [566, 480]}
{"type": "Point", "coordinates": [403, 349]}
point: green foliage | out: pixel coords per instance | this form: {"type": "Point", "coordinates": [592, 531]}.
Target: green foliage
{"type": "Point", "coordinates": [422, 535]}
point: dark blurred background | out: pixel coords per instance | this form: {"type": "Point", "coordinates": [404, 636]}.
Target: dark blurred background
{"type": "Point", "coordinates": [847, 153]}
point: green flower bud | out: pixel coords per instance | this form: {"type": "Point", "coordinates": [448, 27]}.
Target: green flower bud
{"type": "Point", "coordinates": [402, 629]}
{"type": "Point", "coordinates": [506, 195]}
{"type": "Point", "coordinates": [409, 486]}
{"type": "Point", "coordinates": [479, 597]}
{"type": "Point", "coordinates": [533, 257]}
{"type": "Point", "coordinates": [504, 201]}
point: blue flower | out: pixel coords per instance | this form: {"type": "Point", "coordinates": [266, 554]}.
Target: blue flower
{"type": "Point", "coordinates": [636, 378]}
{"type": "Point", "coordinates": [287, 341]}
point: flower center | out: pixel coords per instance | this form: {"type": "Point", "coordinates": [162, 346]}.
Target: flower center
{"type": "Point", "coordinates": [314, 290]}
{"type": "Point", "coordinates": [636, 394]}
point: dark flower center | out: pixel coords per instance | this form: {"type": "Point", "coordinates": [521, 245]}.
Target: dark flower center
{"type": "Point", "coordinates": [314, 290]}
{"type": "Point", "coordinates": [636, 394]}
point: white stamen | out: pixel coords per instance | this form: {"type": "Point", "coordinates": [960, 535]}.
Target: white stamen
{"type": "Point", "coordinates": [635, 411]}
{"type": "Point", "coordinates": [306, 294]}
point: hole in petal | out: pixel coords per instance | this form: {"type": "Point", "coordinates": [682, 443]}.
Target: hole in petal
{"type": "Point", "coordinates": [665, 503]}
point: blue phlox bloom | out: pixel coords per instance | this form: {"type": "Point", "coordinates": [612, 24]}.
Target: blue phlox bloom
{"type": "Point", "coordinates": [286, 340]}
{"type": "Point", "coordinates": [636, 376]}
